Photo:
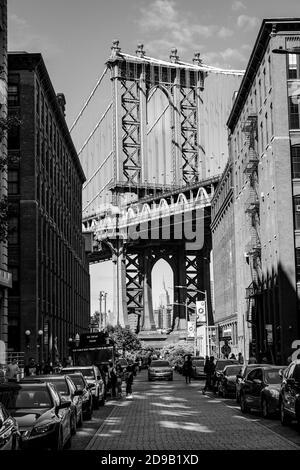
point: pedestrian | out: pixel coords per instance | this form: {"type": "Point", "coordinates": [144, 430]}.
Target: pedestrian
{"type": "Point", "coordinates": [252, 359]}
{"type": "Point", "coordinates": [48, 369]}
{"type": "Point", "coordinates": [209, 369]}
{"type": "Point", "coordinates": [13, 371]}
{"type": "Point", "coordinates": [188, 369]}
{"type": "Point", "coordinates": [112, 378]}
{"type": "Point", "coordinates": [140, 363]}
{"type": "Point", "coordinates": [240, 358]}
{"type": "Point", "coordinates": [2, 374]}
{"type": "Point", "coordinates": [129, 381]}
{"type": "Point", "coordinates": [31, 368]}
{"type": "Point", "coordinates": [119, 372]}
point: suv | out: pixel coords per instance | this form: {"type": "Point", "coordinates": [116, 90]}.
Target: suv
{"type": "Point", "coordinates": [289, 398]}
{"type": "Point", "coordinates": [95, 382]}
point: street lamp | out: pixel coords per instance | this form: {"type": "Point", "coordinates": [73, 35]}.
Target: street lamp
{"type": "Point", "coordinates": [206, 315]}
{"type": "Point", "coordinates": [77, 340]}
{"type": "Point", "coordinates": [27, 338]}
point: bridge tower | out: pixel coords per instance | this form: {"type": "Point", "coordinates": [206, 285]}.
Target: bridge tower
{"type": "Point", "coordinates": [158, 149]}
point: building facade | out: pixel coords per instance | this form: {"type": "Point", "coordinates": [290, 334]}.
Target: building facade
{"type": "Point", "coordinates": [264, 143]}
{"type": "Point", "coordinates": [5, 276]}
{"type": "Point", "coordinates": [223, 241]}
{"type": "Point", "coordinates": [49, 299]}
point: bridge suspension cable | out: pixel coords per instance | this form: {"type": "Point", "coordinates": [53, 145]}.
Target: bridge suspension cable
{"type": "Point", "coordinates": [95, 197]}
{"type": "Point", "coordinates": [96, 127]}
{"type": "Point", "coordinates": [97, 170]}
{"type": "Point", "coordinates": [89, 99]}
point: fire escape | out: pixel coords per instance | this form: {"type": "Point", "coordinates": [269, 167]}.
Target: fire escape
{"type": "Point", "coordinates": [253, 247]}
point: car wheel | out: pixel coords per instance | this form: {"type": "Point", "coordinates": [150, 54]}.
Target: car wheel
{"type": "Point", "coordinates": [80, 420]}
{"type": "Point", "coordinates": [73, 424]}
{"type": "Point", "coordinates": [90, 411]}
{"type": "Point", "coordinates": [59, 444]}
{"type": "Point", "coordinates": [265, 408]}
{"type": "Point", "coordinates": [68, 443]}
{"type": "Point", "coordinates": [96, 403]}
{"type": "Point", "coordinates": [101, 401]}
{"type": "Point", "coordinates": [284, 419]}
{"type": "Point", "coordinates": [244, 406]}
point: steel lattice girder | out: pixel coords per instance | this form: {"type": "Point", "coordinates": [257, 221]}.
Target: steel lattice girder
{"type": "Point", "coordinates": [131, 131]}
{"type": "Point", "coordinates": [134, 288]}
{"type": "Point", "coordinates": [189, 134]}
{"type": "Point", "coordinates": [192, 278]}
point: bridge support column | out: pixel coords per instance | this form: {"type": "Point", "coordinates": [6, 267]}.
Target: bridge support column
{"type": "Point", "coordinates": [179, 317]}
{"type": "Point", "coordinates": [119, 288]}
{"type": "Point", "coordinates": [148, 322]}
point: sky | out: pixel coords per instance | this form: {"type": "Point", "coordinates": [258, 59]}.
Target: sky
{"type": "Point", "coordinates": [75, 38]}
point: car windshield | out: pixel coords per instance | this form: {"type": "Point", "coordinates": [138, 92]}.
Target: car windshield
{"type": "Point", "coordinates": [78, 380]}
{"type": "Point", "coordinates": [160, 364]}
{"type": "Point", "coordinates": [198, 363]}
{"type": "Point", "coordinates": [272, 376]}
{"type": "Point", "coordinates": [232, 370]}
{"type": "Point", "coordinates": [26, 397]}
{"type": "Point", "coordinates": [88, 373]}
{"type": "Point", "coordinates": [61, 386]}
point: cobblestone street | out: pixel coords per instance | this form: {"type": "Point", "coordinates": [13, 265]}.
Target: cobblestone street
{"type": "Point", "coordinates": [176, 416]}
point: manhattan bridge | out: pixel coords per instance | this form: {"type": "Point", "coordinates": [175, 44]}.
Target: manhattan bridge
{"type": "Point", "coordinates": [153, 156]}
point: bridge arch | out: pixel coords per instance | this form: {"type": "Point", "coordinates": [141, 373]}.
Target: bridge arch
{"type": "Point", "coordinates": [162, 278]}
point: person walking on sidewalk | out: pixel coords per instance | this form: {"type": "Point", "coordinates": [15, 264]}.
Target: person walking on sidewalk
{"type": "Point", "coordinates": [209, 368]}
{"type": "Point", "coordinates": [188, 369]}
{"type": "Point", "coordinates": [129, 381]}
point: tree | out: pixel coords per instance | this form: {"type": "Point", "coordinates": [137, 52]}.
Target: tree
{"type": "Point", "coordinates": [125, 339]}
{"type": "Point", "coordinates": [175, 353]}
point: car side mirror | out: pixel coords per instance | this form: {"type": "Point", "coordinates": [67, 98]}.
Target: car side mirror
{"type": "Point", "coordinates": [78, 393]}
{"type": "Point", "coordinates": [64, 404]}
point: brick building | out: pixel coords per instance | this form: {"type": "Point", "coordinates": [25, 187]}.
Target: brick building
{"type": "Point", "coordinates": [49, 299]}
{"type": "Point", "coordinates": [5, 276]}
{"type": "Point", "coordinates": [264, 147]}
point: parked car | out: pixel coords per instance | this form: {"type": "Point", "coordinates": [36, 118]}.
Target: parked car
{"type": "Point", "coordinates": [44, 420]}
{"type": "Point", "coordinates": [67, 391]}
{"type": "Point", "coordinates": [87, 397]}
{"type": "Point", "coordinates": [241, 375]}
{"type": "Point", "coordinates": [220, 364]}
{"type": "Point", "coordinates": [289, 397]}
{"type": "Point", "coordinates": [260, 390]}
{"type": "Point", "coordinates": [227, 380]}
{"type": "Point", "coordinates": [9, 430]}
{"type": "Point", "coordinates": [198, 368]}
{"type": "Point", "coordinates": [159, 369]}
{"type": "Point", "coordinates": [94, 380]}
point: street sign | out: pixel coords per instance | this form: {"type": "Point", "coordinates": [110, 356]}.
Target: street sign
{"type": "Point", "coordinates": [201, 312]}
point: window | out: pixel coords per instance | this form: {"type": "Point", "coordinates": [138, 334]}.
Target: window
{"type": "Point", "coordinates": [13, 90]}
{"type": "Point", "coordinates": [297, 212]}
{"type": "Point", "coordinates": [293, 66]}
{"type": "Point", "coordinates": [13, 182]}
{"type": "Point", "coordinates": [294, 101]}
{"type": "Point", "coordinates": [13, 230]}
{"type": "Point", "coordinates": [295, 155]}
{"type": "Point", "coordinates": [267, 130]}
{"type": "Point", "coordinates": [270, 71]}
